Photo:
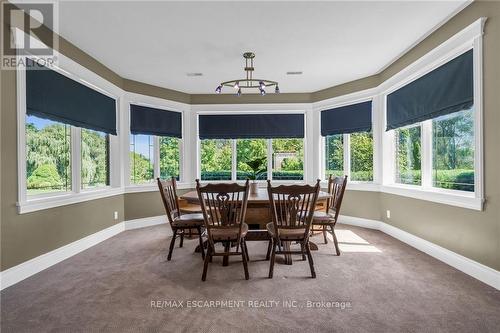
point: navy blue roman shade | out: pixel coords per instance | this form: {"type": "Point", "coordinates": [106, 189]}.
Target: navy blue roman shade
{"type": "Point", "coordinates": [251, 126]}
{"type": "Point", "coordinates": [56, 97]}
{"type": "Point", "coordinates": [447, 89]}
{"type": "Point", "coordinates": [152, 121]}
{"type": "Point", "coordinates": [347, 119]}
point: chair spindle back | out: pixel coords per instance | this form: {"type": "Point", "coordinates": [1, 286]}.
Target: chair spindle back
{"type": "Point", "coordinates": [168, 191]}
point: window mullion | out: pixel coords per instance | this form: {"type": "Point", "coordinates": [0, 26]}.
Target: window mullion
{"type": "Point", "coordinates": [426, 154]}
{"type": "Point", "coordinates": [233, 159]}
{"type": "Point", "coordinates": [156, 159]}
{"type": "Point", "coordinates": [76, 159]}
{"type": "Point", "coordinates": [347, 155]}
{"type": "Point", "coordinates": [270, 159]}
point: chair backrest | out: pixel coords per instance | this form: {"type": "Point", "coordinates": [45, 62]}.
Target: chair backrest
{"type": "Point", "coordinates": [168, 191]}
{"type": "Point", "coordinates": [223, 205]}
{"type": "Point", "coordinates": [292, 206]}
{"type": "Point", "coordinates": [336, 188]}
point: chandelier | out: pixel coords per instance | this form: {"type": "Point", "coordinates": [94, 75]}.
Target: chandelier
{"type": "Point", "coordinates": [249, 82]}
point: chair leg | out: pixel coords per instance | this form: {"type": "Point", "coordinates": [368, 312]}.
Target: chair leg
{"type": "Point", "coordinates": [310, 259]}
{"type": "Point", "coordinates": [273, 255]}
{"type": "Point", "coordinates": [335, 240]}
{"type": "Point", "coordinates": [324, 234]}
{"type": "Point", "coordinates": [268, 255]}
{"type": "Point", "coordinates": [182, 238]}
{"type": "Point", "coordinates": [303, 250]}
{"type": "Point", "coordinates": [208, 258]}
{"type": "Point", "coordinates": [172, 242]}
{"type": "Point", "coordinates": [246, 250]}
{"type": "Point", "coordinates": [225, 259]}
{"type": "Point", "coordinates": [202, 250]}
{"type": "Point", "coordinates": [244, 257]}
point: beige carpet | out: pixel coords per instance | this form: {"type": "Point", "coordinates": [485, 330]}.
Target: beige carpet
{"type": "Point", "coordinates": [125, 284]}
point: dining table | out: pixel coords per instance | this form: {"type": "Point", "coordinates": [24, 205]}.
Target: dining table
{"type": "Point", "coordinates": [258, 215]}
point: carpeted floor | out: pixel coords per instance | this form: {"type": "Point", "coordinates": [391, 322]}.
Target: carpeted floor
{"type": "Point", "coordinates": [125, 284]}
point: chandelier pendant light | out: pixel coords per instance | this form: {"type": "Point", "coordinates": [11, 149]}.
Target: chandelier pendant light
{"type": "Point", "coordinates": [249, 82]}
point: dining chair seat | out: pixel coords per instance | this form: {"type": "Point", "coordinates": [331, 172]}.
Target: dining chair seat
{"type": "Point", "coordinates": [229, 234]}
{"type": "Point", "coordinates": [188, 220]}
{"type": "Point", "coordinates": [286, 234]}
{"type": "Point", "coordinates": [323, 217]}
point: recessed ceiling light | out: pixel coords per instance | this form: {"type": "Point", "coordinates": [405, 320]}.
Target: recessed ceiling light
{"type": "Point", "coordinates": [194, 74]}
{"type": "Point", "coordinates": [294, 73]}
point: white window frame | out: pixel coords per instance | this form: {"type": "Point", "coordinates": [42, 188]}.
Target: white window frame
{"type": "Point", "coordinates": [469, 38]}
{"type": "Point", "coordinates": [354, 98]}
{"type": "Point", "coordinates": [239, 109]}
{"type": "Point", "coordinates": [29, 203]}
{"type": "Point", "coordinates": [184, 144]}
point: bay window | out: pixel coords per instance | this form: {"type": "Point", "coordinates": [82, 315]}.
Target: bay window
{"type": "Point", "coordinates": [154, 144]}
{"type": "Point", "coordinates": [348, 141]}
{"type": "Point", "coordinates": [438, 150]}
{"type": "Point", "coordinates": [67, 127]}
{"type": "Point", "coordinates": [252, 145]}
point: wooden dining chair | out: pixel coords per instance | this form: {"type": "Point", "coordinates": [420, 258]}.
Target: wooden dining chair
{"type": "Point", "coordinates": [292, 208]}
{"type": "Point", "coordinates": [328, 218]}
{"type": "Point", "coordinates": [224, 208]}
{"type": "Point", "coordinates": [179, 222]}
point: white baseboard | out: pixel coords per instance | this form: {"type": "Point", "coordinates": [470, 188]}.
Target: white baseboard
{"type": "Point", "coordinates": [145, 222]}
{"type": "Point", "coordinates": [473, 268]}
{"type": "Point", "coordinates": [28, 268]}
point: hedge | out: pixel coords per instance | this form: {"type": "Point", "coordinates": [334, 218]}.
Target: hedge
{"type": "Point", "coordinates": [449, 179]}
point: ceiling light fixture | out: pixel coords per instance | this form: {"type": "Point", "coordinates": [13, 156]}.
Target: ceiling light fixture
{"type": "Point", "coordinates": [249, 82]}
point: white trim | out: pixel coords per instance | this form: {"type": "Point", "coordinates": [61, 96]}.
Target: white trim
{"type": "Point", "coordinates": [28, 268]}
{"type": "Point", "coordinates": [468, 266]}
{"type": "Point", "coordinates": [145, 222]}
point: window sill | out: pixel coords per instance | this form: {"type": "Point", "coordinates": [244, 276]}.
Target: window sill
{"type": "Point", "coordinates": [63, 199]}
{"type": "Point", "coordinates": [448, 197]}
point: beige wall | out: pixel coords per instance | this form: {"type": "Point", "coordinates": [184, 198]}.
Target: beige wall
{"type": "Point", "coordinates": [473, 234]}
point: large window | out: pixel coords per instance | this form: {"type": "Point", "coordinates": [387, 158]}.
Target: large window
{"type": "Point", "coordinates": [169, 157]}
{"type": "Point", "coordinates": [248, 152]}
{"type": "Point", "coordinates": [216, 159]}
{"type": "Point", "coordinates": [408, 155]}
{"type": "Point", "coordinates": [48, 156]}
{"type": "Point", "coordinates": [252, 157]}
{"type": "Point", "coordinates": [141, 159]}
{"type": "Point", "coordinates": [288, 159]}
{"type": "Point", "coordinates": [334, 155]}
{"type": "Point", "coordinates": [453, 151]}
{"type": "Point", "coordinates": [361, 150]}
{"type": "Point", "coordinates": [94, 159]}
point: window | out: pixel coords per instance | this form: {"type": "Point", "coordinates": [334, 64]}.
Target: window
{"type": "Point", "coordinates": [408, 155]}
{"type": "Point", "coordinates": [288, 159]}
{"type": "Point", "coordinates": [453, 151]}
{"type": "Point", "coordinates": [169, 157]}
{"type": "Point", "coordinates": [248, 151]}
{"type": "Point", "coordinates": [361, 150]}
{"type": "Point", "coordinates": [94, 159]}
{"type": "Point", "coordinates": [141, 159]}
{"type": "Point", "coordinates": [48, 156]}
{"type": "Point", "coordinates": [216, 159]}
{"type": "Point", "coordinates": [334, 155]}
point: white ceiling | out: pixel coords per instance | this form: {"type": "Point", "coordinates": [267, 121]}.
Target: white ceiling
{"type": "Point", "coordinates": [331, 42]}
